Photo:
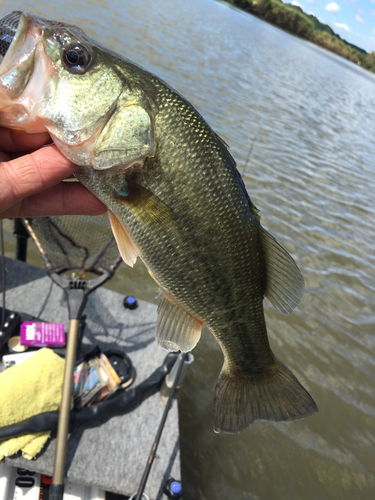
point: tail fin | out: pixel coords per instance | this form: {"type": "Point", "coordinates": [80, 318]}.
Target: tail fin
{"type": "Point", "coordinates": [244, 397]}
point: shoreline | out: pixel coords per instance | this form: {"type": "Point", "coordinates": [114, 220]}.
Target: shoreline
{"type": "Point", "coordinates": [294, 21]}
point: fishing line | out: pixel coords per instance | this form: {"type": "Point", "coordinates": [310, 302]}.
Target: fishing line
{"type": "Point", "coordinates": [248, 155]}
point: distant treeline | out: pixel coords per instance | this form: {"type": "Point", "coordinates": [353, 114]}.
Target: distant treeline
{"type": "Point", "coordinates": [292, 18]}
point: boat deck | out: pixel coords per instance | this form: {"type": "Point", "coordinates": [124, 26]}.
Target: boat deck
{"type": "Point", "coordinates": [113, 455]}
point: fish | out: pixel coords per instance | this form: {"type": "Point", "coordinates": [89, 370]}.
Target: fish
{"type": "Point", "coordinates": [175, 199]}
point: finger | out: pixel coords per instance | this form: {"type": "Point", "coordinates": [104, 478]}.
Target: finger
{"type": "Point", "coordinates": [66, 198]}
{"type": "Point", "coordinates": [31, 174]}
{"type": "Point", "coordinates": [18, 140]}
{"type": "Point", "coordinates": [4, 156]}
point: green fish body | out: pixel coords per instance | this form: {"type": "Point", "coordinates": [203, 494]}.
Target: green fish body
{"type": "Point", "coordinates": [175, 199]}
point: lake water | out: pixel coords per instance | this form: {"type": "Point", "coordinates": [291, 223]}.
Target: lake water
{"type": "Point", "coordinates": [307, 117]}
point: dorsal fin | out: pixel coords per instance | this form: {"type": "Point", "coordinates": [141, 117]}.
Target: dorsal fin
{"type": "Point", "coordinates": [241, 183]}
{"type": "Point", "coordinates": [222, 142]}
{"type": "Point", "coordinates": [125, 245]}
{"type": "Point", "coordinates": [176, 330]}
{"type": "Point", "coordinates": [285, 285]}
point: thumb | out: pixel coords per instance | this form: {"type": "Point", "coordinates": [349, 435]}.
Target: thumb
{"type": "Point", "coordinates": [31, 174]}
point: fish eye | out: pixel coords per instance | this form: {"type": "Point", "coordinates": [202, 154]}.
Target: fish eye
{"type": "Point", "coordinates": [76, 58]}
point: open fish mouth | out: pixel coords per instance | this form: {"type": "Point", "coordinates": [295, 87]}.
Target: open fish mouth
{"type": "Point", "coordinates": [24, 71]}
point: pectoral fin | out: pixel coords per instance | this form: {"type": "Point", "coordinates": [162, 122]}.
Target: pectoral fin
{"type": "Point", "coordinates": [125, 245]}
{"type": "Point", "coordinates": [176, 330]}
{"type": "Point", "coordinates": [285, 285]}
{"type": "Point", "coordinates": [147, 208]}
{"type": "Point", "coordinates": [147, 204]}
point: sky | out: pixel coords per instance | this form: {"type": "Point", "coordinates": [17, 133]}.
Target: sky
{"type": "Point", "coordinates": [353, 20]}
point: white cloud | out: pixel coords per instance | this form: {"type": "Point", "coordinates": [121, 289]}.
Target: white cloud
{"type": "Point", "coordinates": [296, 4]}
{"type": "Point", "coordinates": [312, 1]}
{"type": "Point", "coordinates": [373, 32]}
{"type": "Point", "coordinates": [332, 7]}
{"type": "Point", "coordinates": [359, 19]}
{"type": "Point", "coordinates": [343, 26]}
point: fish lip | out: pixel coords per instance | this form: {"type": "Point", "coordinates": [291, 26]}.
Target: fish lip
{"type": "Point", "coordinates": [24, 43]}
{"type": "Point", "coordinates": [16, 71]}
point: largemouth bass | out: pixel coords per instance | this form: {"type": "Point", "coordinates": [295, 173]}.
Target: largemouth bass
{"type": "Point", "coordinates": [175, 199]}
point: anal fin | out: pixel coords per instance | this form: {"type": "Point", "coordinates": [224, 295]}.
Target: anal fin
{"type": "Point", "coordinates": [125, 245]}
{"type": "Point", "coordinates": [176, 330]}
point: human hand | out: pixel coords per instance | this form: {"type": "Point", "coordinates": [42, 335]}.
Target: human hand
{"type": "Point", "coordinates": [31, 179]}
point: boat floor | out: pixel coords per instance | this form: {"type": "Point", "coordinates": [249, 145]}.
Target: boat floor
{"type": "Point", "coordinates": [113, 455]}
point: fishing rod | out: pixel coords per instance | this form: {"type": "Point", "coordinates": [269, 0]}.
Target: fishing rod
{"type": "Point", "coordinates": [183, 361]}
{"type": "Point", "coordinates": [21, 234]}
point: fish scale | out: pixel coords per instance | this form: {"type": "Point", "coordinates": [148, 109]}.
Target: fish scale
{"type": "Point", "coordinates": [218, 202]}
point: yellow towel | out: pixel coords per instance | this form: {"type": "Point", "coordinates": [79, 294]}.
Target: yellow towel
{"type": "Point", "coordinates": [27, 389]}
